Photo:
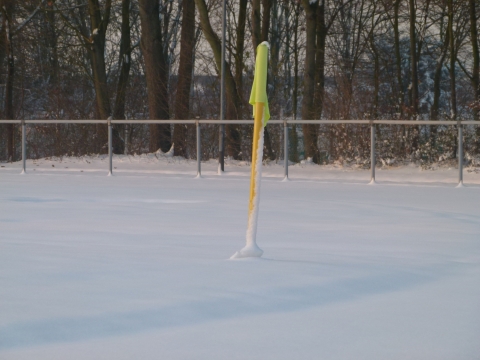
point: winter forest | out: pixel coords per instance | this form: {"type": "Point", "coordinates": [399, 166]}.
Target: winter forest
{"type": "Point", "coordinates": [160, 59]}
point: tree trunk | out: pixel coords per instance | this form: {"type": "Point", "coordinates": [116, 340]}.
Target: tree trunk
{"type": "Point", "coordinates": [51, 44]}
{"type": "Point", "coordinates": [321, 34]}
{"type": "Point", "coordinates": [295, 62]}
{"type": "Point", "coordinates": [414, 73]}
{"type": "Point", "coordinates": [124, 61]}
{"type": "Point", "coordinates": [267, 7]}
{"type": "Point", "coordinates": [234, 134]}
{"type": "Point", "coordinates": [413, 57]}
{"type": "Point", "coordinates": [215, 44]}
{"type": "Point", "coordinates": [398, 58]}
{"type": "Point", "coordinates": [182, 100]}
{"type": "Point", "coordinates": [293, 133]}
{"type": "Point", "coordinates": [8, 9]}
{"type": "Point", "coordinates": [268, 152]}
{"type": "Point", "coordinates": [437, 78]}
{"type": "Point", "coordinates": [96, 47]}
{"type": "Point", "coordinates": [309, 76]}
{"type": "Point", "coordinates": [3, 35]}
{"type": "Point", "coordinates": [376, 66]}
{"type": "Point", "coordinates": [476, 66]}
{"type": "Point", "coordinates": [275, 43]}
{"type": "Point", "coordinates": [156, 74]}
{"type": "Point", "coordinates": [256, 25]}
{"type": "Point", "coordinates": [52, 68]}
{"type": "Point", "coordinates": [453, 55]}
{"type": "Point", "coordinates": [310, 135]}
{"type": "Point", "coordinates": [476, 59]}
{"type": "Point", "coordinates": [240, 46]}
{"type": "Point", "coordinates": [98, 25]}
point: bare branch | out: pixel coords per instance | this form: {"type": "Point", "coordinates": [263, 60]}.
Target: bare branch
{"type": "Point", "coordinates": [28, 19]}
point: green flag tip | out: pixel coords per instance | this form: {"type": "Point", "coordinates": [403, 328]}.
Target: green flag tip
{"type": "Point", "coordinates": [259, 86]}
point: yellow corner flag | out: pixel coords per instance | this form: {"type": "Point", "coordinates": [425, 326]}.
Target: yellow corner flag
{"type": "Point", "coordinates": [261, 113]}
{"type": "Point", "coordinates": [259, 88]}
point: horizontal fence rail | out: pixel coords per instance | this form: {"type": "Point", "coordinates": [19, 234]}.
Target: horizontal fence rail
{"type": "Point", "coordinates": [245, 122]}
{"type": "Point", "coordinates": [198, 122]}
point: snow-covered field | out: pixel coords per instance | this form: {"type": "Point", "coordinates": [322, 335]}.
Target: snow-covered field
{"type": "Point", "coordinates": [135, 266]}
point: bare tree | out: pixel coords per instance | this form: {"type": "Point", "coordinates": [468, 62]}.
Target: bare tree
{"type": "Point", "coordinates": [475, 77]}
{"type": "Point", "coordinates": [451, 43]}
{"type": "Point", "coordinates": [233, 98]}
{"type": "Point", "coordinates": [96, 45]}
{"type": "Point", "coordinates": [317, 28]}
{"type": "Point", "coordinates": [185, 70]}
{"type": "Point", "coordinates": [444, 31]}
{"type": "Point", "coordinates": [124, 61]}
{"type": "Point", "coordinates": [7, 8]}
{"type": "Point", "coordinates": [156, 73]}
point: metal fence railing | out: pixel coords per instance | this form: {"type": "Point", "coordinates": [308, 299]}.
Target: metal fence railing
{"type": "Point", "coordinates": [285, 123]}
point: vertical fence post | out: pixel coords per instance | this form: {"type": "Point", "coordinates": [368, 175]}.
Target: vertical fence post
{"type": "Point", "coordinates": [373, 159]}
{"type": "Point", "coordinates": [285, 150]}
{"type": "Point", "coordinates": [110, 148]}
{"type": "Point", "coordinates": [460, 154]}
{"type": "Point", "coordinates": [199, 151]}
{"type": "Point", "coordinates": [221, 150]}
{"type": "Point", "coordinates": [24, 148]}
{"type": "Point", "coordinates": [125, 134]}
{"type": "Point", "coordinates": [221, 144]}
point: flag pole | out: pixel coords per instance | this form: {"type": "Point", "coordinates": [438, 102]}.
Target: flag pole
{"type": "Point", "coordinates": [259, 100]}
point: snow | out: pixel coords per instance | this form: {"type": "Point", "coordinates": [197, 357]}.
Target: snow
{"type": "Point", "coordinates": [267, 44]}
{"type": "Point", "coordinates": [136, 265]}
{"type": "Point", "coordinates": [165, 164]}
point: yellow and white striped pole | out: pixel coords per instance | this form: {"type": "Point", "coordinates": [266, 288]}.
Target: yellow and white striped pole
{"type": "Point", "coordinates": [258, 99]}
